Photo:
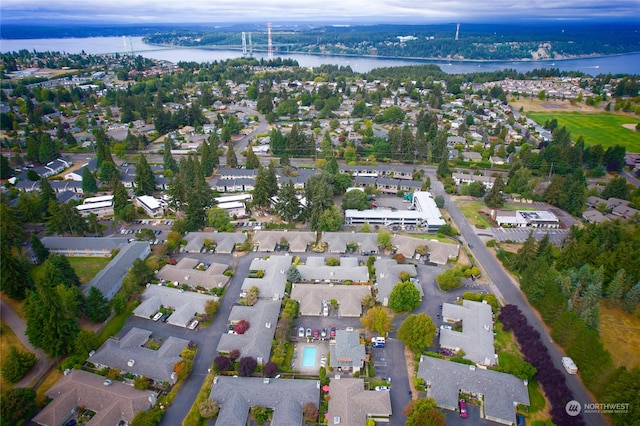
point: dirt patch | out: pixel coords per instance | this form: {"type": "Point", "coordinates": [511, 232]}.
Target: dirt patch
{"type": "Point", "coordinates": [537, 105]}
{"type": "Point", "coordinates": [411, 371]}
{"type": "Point", "coordinates": [630, 126]}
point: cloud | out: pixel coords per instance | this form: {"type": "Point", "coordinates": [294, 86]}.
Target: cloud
{"type": "Point", "coordinates": [396, 11]}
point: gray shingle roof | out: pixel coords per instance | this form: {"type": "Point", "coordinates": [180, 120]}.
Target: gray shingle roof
{"type": "Point", "coordinates": [81, 388]}
{"type": "Point", "coordinates": [298, 241]}
{"type": "Point", "coordinates": [187, 304]}
{"type": "Point", "coordinates": [388, 275]}
{"type": "Point", "coordinates": [225, 241]}
{"type": "Point", "coordinates": [500, 390]}
{"type": "Point", "coordinates": [476, 337]}
{"type": "Point", "coordinates": [109, 280]}
{"type": "Point", "coordinates": [315, 269]}
{"type": "Point", "coordinates": [274, 280]}
{"type": "Point", "coordinates": [185, 273]}
{"type": "Point", "coordinates": [256, 341]}
{"type": "Point", "coordinates": [348, 352]}
{"type": "Point", "coordinates": [367, 242]}
{"type": "Point", "coordinates": [349, 401]}
{"type": "Point", "coordinates": [156, 365]}
{"type": "Point", "coordinates": [236, 395]}
{"type": "Point", "coordinates": [84, 243]}
{"type": "Point", "coordinates": [311, 296]}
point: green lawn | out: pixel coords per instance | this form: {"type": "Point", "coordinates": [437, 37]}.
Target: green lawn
{"type": "Point", "coordinates": [88, 267]}
{"type": "Point", "coordinates": [470, 210]}
{"type": "Point", "coordinates": [604, 129]}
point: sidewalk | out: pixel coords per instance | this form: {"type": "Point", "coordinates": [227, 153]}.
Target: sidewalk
{"type": "Point", "coordinates": [11, 318]}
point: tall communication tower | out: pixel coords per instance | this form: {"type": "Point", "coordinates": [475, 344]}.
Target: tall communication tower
{"type": "Point", "coordinates": [269, 44]}
{"type": "Point", "coordinates": [244, 44]}
{"type": "Point", "coordinates": [457, 30]}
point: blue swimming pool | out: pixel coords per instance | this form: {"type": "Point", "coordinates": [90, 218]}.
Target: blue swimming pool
{"type": "Point", "coordinates": [309, 357]}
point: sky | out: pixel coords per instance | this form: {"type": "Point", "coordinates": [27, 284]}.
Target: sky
{"type": "Point", "coordinates": [317, 11]}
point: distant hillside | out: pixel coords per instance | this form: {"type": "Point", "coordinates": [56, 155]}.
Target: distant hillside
{"type": "Point", "coordinates": [477, 42]}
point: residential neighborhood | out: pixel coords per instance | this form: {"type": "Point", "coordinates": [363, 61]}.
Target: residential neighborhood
{"type": "Point", "coordinates": [295, 250]}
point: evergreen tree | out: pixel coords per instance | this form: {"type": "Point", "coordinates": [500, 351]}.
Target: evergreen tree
{"type": "Point", "coordinates": [443, 169]}
{"type": "Point", "coordinates": [277, 142]}
{"type": "Point", "coordinates": [145, 181]}
{"type": "Point", "coordinates": [526, 254]}
{"type": "Point", "coordinates": [123, 208]}
{"type": "Point", "coordinates": [618, 288]}
{"type": "Point", "coordinates": [16, 364]}
{"type": "Point", "coordinates": [261, 190]}
{"type": "Point", "coordinates": [5, 169]}
{"type": "Point", "coordinates": [288, 206]}
{"type": "Point", "coordinates": [632, 299]}
{"type": "Point", "coordinates": [14, 272]}
{"type": "Point", "coordinates": [167, 159]}
{"type": "Point", "coordinates": [65, 219]}
{"type": "Point", "coordinates": [51, 325]}
{"type": "Point", "coordinates": [252, 161]}
{"type": "Point", "coordinates": [58, 270]}
{"type": "Point", "coordinates": [319, 195]}
{"type": "Point", "coordinates": [96, 305]}
{"type": "Point", "coordinates": [89, 184]}
{"type": "Point", "coordinates": [39, 249]}
{"type": "Point", "coordinates": [232, 159]}
{"type": "Point", "coordinates": [47, 194]}
{"type": "Point", "coordinates": [616, 187]}
{"type": "Point", "coordinates": [207, 159]}
{"type": "Point", "coordinates": [47, 150]}
{"type": "Point", "coordinates": [494, 197]}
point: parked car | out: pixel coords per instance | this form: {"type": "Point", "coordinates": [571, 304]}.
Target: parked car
{"type": "Point", "coordinates": [462, 405]}
{"type": "Point", "coordinates": [193, 325]}
{"type": "Point", "coordinates": [446, 327]}
{"type": "Point", "coordinates": [323, 333]}
{"type": "Point", "coordinates": [332, 331]}
{"type": "Point", "coordinates": [520, 420]}
{"type": "Point", "coordinates": [308, 333]}
{"type": "Point", "coordinates": [382, 388]}
{"type": "Point", "coordinates": [316, 333]}
{"type": "Point", "coordinates": [301, 332]}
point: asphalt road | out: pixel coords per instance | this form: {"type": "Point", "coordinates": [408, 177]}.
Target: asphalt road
{"type": "Point", "coordinates": [512, 295]}
{"type": "Point", "coordinates": [207, 338]}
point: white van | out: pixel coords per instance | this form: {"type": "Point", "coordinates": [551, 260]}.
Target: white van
{"type": "Point", "coordinates": [193, 325]}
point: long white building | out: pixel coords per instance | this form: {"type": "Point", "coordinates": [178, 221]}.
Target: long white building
{"type": "Point", "coordinates": [425, 214]}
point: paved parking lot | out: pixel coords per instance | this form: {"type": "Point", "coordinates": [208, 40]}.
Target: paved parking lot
{"type": "Point", "coordinates": [519, 235]}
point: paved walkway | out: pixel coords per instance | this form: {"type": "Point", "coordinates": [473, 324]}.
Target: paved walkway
{"type": "Point", "coordinates": [11, 318]}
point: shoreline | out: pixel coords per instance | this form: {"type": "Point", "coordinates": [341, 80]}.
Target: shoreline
{"type": "Point", "coordinates": [412, 58]}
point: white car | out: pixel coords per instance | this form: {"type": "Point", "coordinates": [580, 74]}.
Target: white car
{"type": "Point", "coordinates": [193, 325]}
{"type": "Point", "coordinates": [301, 332]}
{"type": "Point", "coordinates": [382, 388]}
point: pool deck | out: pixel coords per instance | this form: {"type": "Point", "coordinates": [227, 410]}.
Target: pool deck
{"type": "Point", "coordinates": [321, 358]}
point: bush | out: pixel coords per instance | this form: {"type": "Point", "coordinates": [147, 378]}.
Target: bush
{"type": "Point", "coordinates": [16, 364]}
{"type": "Point", "coordinates": [17, 404]}
{"type": "Point", "coordinates": [241, 327]}
{"type": "Point", "coordinates": [270, 369]}
{"type": "Point", "coordinates": [247, 366]}
{"type": "Point", "coordinates": [208, 408]}
{"type": "Point", "coordinates": [141, 383]}
{"type": "Point", "coordinates": [332, 261]}
{"type": "Point", "coordinates": [222, 363]}
{"type": "Point", "coordinates": [449, 279]}
{"type": "Point", "coordinates": [399, 257]}
{"type": "Point", "coordinates": [404, 297]}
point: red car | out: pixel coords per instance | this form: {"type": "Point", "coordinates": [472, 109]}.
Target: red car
{"type": "Point", "coordinates": [463, 408]}
{"type": "Point", "coordinates": [332, 332]}
{"type": "Point", "coordinates": [316, 333]}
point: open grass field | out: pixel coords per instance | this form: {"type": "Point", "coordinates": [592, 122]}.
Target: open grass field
{"type": "Point", "coordinates": [597, 128]}
{"type": "Point", "coordinates": [88, 267]}
{"type": "Point", "coordinates": [620, 334]}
